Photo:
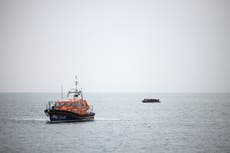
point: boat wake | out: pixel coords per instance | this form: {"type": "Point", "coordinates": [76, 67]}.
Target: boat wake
{"type": "Point", "coordinates": [43, 119]}
{"type": "Point", "coordinates": [108, 119]}
{"type": "Point", "coordinates": [27, 119]}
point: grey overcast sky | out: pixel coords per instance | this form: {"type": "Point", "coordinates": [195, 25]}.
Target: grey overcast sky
{"type": "Point", "coordinates": [119, 45]}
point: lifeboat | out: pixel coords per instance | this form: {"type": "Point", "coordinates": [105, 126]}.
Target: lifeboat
{"type": "Point", "coordinates": [70, 109]}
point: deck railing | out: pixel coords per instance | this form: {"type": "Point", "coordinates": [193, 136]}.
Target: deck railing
{"type": "Point", "coordinates": [50, 104]}
{"type": "Point", "coordinates": [91, 108]}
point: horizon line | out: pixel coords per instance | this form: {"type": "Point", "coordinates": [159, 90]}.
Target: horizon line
{"type": "Point", "coordinates": [192, 92]}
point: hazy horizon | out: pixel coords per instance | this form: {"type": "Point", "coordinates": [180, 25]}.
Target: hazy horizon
{"type": "Point", "coordinates": [115, 46]}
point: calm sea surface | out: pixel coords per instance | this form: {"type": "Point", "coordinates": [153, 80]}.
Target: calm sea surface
{"type": "Point", "coordinates": [182, 123]}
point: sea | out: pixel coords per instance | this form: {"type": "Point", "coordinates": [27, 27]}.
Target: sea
{"type": "Point", "coordinates": [181, 123]}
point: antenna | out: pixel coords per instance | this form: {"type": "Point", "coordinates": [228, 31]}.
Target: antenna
{"type": "Point", "coordinates": [76, 82]}
{"type": "Point", "coordinates": [62, 91]}
{"type": "Point", "coordinates": [81, 94]}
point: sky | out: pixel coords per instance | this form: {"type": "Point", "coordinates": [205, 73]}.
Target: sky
{"type": "Point", "coordinates": [115, 46]}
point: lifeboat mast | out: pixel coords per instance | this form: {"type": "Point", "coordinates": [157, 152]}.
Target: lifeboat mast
{"type": "Point", "coordinates": [75, 91]}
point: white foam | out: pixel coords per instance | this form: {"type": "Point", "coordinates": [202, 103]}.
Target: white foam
{"type": "Point", "coordinates": [28, 119]}
{"type": "Point", "coordinates": [107, 119]}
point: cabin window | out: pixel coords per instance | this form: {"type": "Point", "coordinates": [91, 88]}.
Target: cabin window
{"type": "Point", "coordinates": [68, 104]}
{"type": "Point", "coordinates": [76, 104]}
{"type": "Point", "coordinates": [61, 103]}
